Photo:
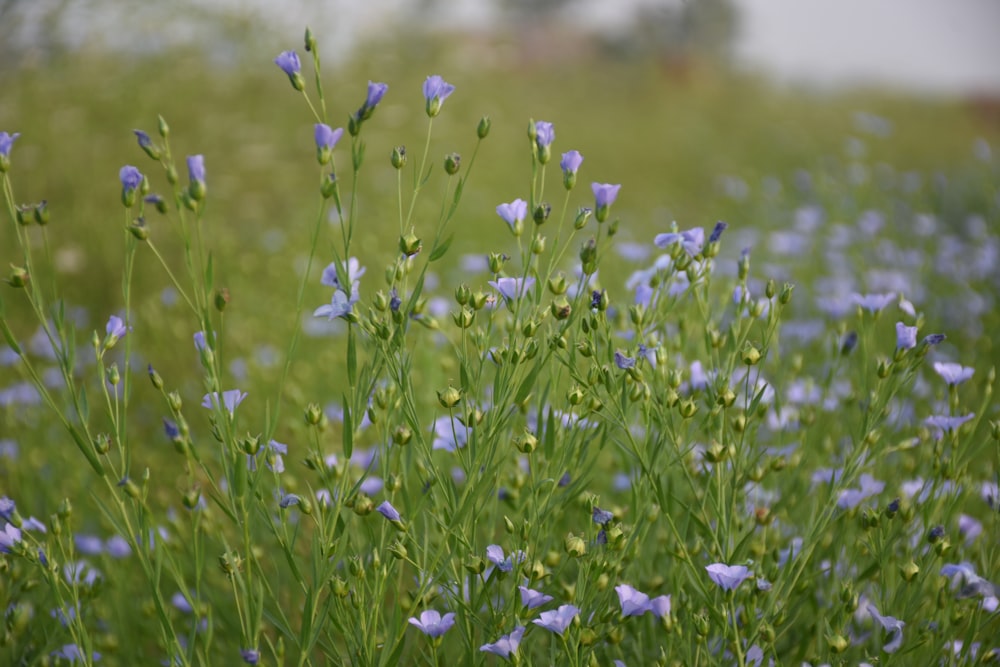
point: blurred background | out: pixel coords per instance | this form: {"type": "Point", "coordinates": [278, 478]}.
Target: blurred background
{"type": "Point", "coordinates": [756, 113]}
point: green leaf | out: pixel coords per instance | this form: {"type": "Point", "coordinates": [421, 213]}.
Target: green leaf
{"type": "Point", "coordinates": [9, 337]}
{"type": "Point", "coordinates": [209, 272]}
{"type": "Point", "coordinates": [458, 190]}
{"type": "Point", "coordinates": [442, 248]}
{"type": "Point", "coordinates": [527, 384]}
{"type": "Point", "coordinates": [348, 428]}
{"type": "Point", "coordinates": [84, 406]}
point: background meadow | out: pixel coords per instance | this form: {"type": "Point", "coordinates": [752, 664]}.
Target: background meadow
{"type": "Point", "coordinates": [749, 402]}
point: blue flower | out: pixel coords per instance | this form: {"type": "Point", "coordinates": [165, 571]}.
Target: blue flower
{"type": "Point", "coordinates": [504, 563]}
{"type": "Point", "coordinates": [545, 134]}
{"type": "Point", "coordinates": [506, 645]}
{"type": "Point", "coordinates": [947, 423]}
{"type": "Point", "coordinates": [130, 177]}
{"type": "Point", "coordinates": [115, 329]}
{"type": "Point", "coordinates": [531, 598]}
{"type": "Point", "coordinates": [436, 91]}
{"type": "Point", "coordinates": [196, 175]}
{"type": "Point", "coordinates": [326, 140]}
{"type": "Point", "coordinates": [601, 517]}
{"type": "Point", "coordinates": [289, 500]}
{"type": "Point", "coordinates": [389, 512]}
{"type": "Point", "coordinates": [512, 288]}
{"type": "Point", "coordinates": [340, 306]}
{"type": "Point", "coordinates": [894, 626]}
{"type": "Point", "coordinates": [10, 536]}
{"type": "Point", "coordinates": [557, 621]}
{"type": "Point", "coordinates": [289, 62]}
{"type": "Point", "coordinates": [604, 196]}
{"type": "Point", "coordinates": [953, 374]}
{"type": "Point", "coordinates": [570, 162]}
{"type": "Point", "coordinates": [717, 231]}
{"type": "Point", "coordinates": [623, 362]}
{"type": "Point", "coordinates": [692, 240]}
{"type": "Point", "coordinates": [7, 142]}
{"type": "Point", "coordinates": [727, 577]}
{"type": "Point", "coordinates": [230, 399]}
{"type": "Point", "coordinates": [72, 653]}
{"type": "Point", "coordinates": [251, 656]}
{"type": "Point", "coordinates": [906, 337]}
{"type": "Point", "coordinates": [851, 498]}
{"type": "Point", "coordinates": [432, 623]}
{"type": "Point", "coordinates": [352, 270]}
{"type": "Point", "coordinates": [145, 142]}
{"type": "Point", "coordinates": [513, 213]}
{"type": "Point", "coordinates": [873, 303]}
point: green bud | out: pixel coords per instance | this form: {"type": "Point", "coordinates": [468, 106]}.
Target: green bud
{"type": "Point", "coordinates": [837, 643]}
{"type": "Point", "coordinates": [18, 276]}
{"type": "Point", "coordinates": [582, 215]}
{"type": "Point", "coordinates": [138, 229]}
{"type": "Point", "coordinates": [751, 355]}
{"type": "Point", "coordinates": [475, 565]}
{"type": "Point", "coordinates": [398, 550]}
{"type": "Point", "coordinates": [113, 375]}
{"type": "Point", "coordinates": [538, 245]}
{"type": "Point", "coordinates": [526, 443]}
{"type": "Point", "coordinates": [398, 158]}
{"type": "Point", "coordinates": [909, 571]}
{"type": "Point", "coordinates": [409, 244]}
{"type": "Point", "coordinates": [450, 397]}
{"type": "Point", "coordinates": [451, 163]}
{"type": "Point", "coordinates": [541, 213]}
{"type": "Point", "coordinates": [329, 186]}
{"type": "Point", "coordinates": [497, 261]}
{"type": "Point", "coordinates": [483, 129]}
{"type": "Point", "coordinates": [786, 293]}
{"type": "Point", "coordinates": [42, 213]}
{"type": "Point", "coordinates": [313, 414]}
{"type": "Point", "coordinates": [770, 288]}
{"type": "Point", "coordinates": [362, 505]}
{"type": "Point", "coordinates": [560, 308]}
{"type": "Point", "coordinates": [402, 435]}
{"type": "Point", "coordinates": [575, 545]}
{"type": "Point", "coordinates": [558, 284]}
{"type": "Point", "coordinates": [221, 299]}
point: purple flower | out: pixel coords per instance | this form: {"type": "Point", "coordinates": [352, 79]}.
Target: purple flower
{"type": "Point", "coordinates": [352, 270]}
{"type": "Point", "coordinates": [728, 577]}
{"type": "Point", "coordinates": [953, 374]}
{"type": "Point", "coordinates": [934, 339]}
{"type": "Point", "coordinates": [388, 511]}
{"type": "Point", "coordinates": [601, 517]}
{"type": "Point", "coordinates": [531, 598]}
{"type": "Point", "coordinates": [339, 306]}
{"type": "Point", "coordinates": [7, 142]}
{"type": "Point", "coordinates": [145, 143]}
{"type": "Point", "coordinates": [433, 624]}
{"type": "Point", "coordinates": [506, 645]}
{"type": "Point", "coordinates": [604, 196]}
{"type": "Point", "coordinates": [891, 625]}
{"type": "Point", "coordinates": [692, 240]}
{"type": "Point", "coordinates": [118, 547]}
{"type": "Point", "coordinates": [717, 231]}
{"type": "Point", "coordinates": [946, 423]}
{"type": "Point", "coordinates": [289, 63]}
{"type": "Point", "coordinates": [326, 140]}
{"type": "Point", "coordinates": [10, 536]}
{"type": "Point", "coordinates": [571, 162]}
{"type": "Point", "coordinates": [376, 91]}
{"type": "Point", "coordinates": [545, 134]}
{"type": "Point", "coordinates": [512, 288]}
{"type": "Point", "coordinates": [906, 337]}
{"type": "Point", "coordinates": [495, 554]}
{"type": "Point", "coordinates": [251, 656]}
{"type": "Point", "coordinates": [660, 606]}
{"type": "Point", "coordinates": [623, 362]}
{"type": "Point", "coordinates": [72, 653]}
{"type": "Point", "coordinates": [873, 303]}
{"type": "Point", "coordinates": [289, 500]}
{"type": "Point", "coordinates": [632, 601]}
{"type": "Point", "coordinates": [196, 169]}
{"type": "Point", "coordinates": [557, 621]}
{"type": "Point", "coordinates": [230, 399]}
{"type": "Point", "coordinates": [851, 498]}
{"type": "Point", "coordinates": [130, 177]}
{"type": "Point", "coordinates": [115, 329]}
{"type": "Point", "coordinates": [436, 91]}
{"type": "Point", "coordinates": [513, 213]}
{"type": "Point", "coordinates": [88, 545]}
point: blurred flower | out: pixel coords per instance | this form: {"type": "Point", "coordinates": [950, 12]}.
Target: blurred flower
{"type": "Point", "coordinates": [230, 399]}
{"type": "Point", "coordinates": [953, 374]}
{"type": "Point", "coordinates": [692, 240]}
{"type": "Point", "coordinates": [571, 162]}
{"type": "Point", "coordinates": [906, 337]}
{"type": "Point", "coordinates": [10, 536]}
{"type": "Point", "coordinates": [623, 362]}
{"type": "Point", "coordinates": [432, 624]}
{"type": "Point", "coordinates": [115, 329]}
{"type": "Point", "coordinates": [601, 517]}
{"type": "Point", "coordinates": [289, 500]}
{"type": "Point", "coordinates": [873, 303]}
{"type": "Point", "coordinates": [717, 231]}
{"type": "Point", "coordinates": [889, 624]}
{"type": "Point", "coordinates": [633, 602]}
{"type": "Point", "coordinates": [506, 645]}
{"type": "Point", "coordinates": [512, 288]}
{"type": "Point", "coordinates": [351, 269]}
{"type": "Point", "coordinates": [545, 134]}
{"type": "Point", "coordinates": [118, 547]}
{"type": "Point", "coordinates": [557, 621]}
{"type": "Point", "coordinates": [513, 213]}
{"type": "Point", "coordinates": [339, 306]}
{"type": "Point", "coordinates": [251, 656]}
{"type": "Point", "coordinates": [728, 577]}
{"type": "Point", "coordinates": [7, 142]}
{"type": "Point", "coordinates": [130, 177]}
{"type": "Point", "coordinates": [289, 63]}
{"type": "Point", "coordinates": [196, 169]}
{"type": "Point", "coordinates": [604, 196]}
{"type": "Point", "coordinates": [388, 511]}
{"type": "Point", "coordinates": [531, 598]}
{"type": "Point", "coordinates": [850, 498]}
{"type": "Point", "coordinates": [72, 653]}
{"type": "Point", "coordinates": [947, 423]}
{"type": "Point", "coordinates": [88, 545]}
{"type": "Point", "coordinates": [436, 91]}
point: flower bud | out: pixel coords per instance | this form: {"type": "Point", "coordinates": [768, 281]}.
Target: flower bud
{"type": "Point", "coordinates": [560, 308]}
{"type": "Point", "coordinates": [402, 435]}
{"type": "Point", "coordinates": [451, 163]}
{"type": "Point", "coordinates": [558, 284]}
{"type": "Point", "coordinates": [329, 186]}
{"type": "Point", "coordinates": [575, 546]}
{"type": "Point", "coordinates": [526, 443]}
{"type": "Point", "coordinates": [362, 505]}
{"type": "Point", "coordinates": [483, 129]}
{"type": "Point", "coordinates": [582, 215]}
{"type": "Point", "coordinates": [18, 276]}
{"type": "Point", "coordinates": [409, 244]}
{"type": "Point", "coordinates": [450, 397]}
{"type": "Point", "coordinates": [42, 213]}
{"type": "Point", "coordinates": [909, 571]}
{"type": "Point", "coordinates": [837, 643]}
{"type": "Point", "coordinates": [786, 293]}
{"type": "Point", "coordinates": [751, 355]}
{"type": "Point", "coordinates": [114, 377]}
{"type": "Point", "coordinates": [398, 550]}
{"type": "Point", "coordinates": [541, 213]}
{"type": "Point", "coordinates": [398, 158]}
{"type": "Point", "coordinates": [497, 261]}
{"type": "Point", "coordinates": [538, 245]}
